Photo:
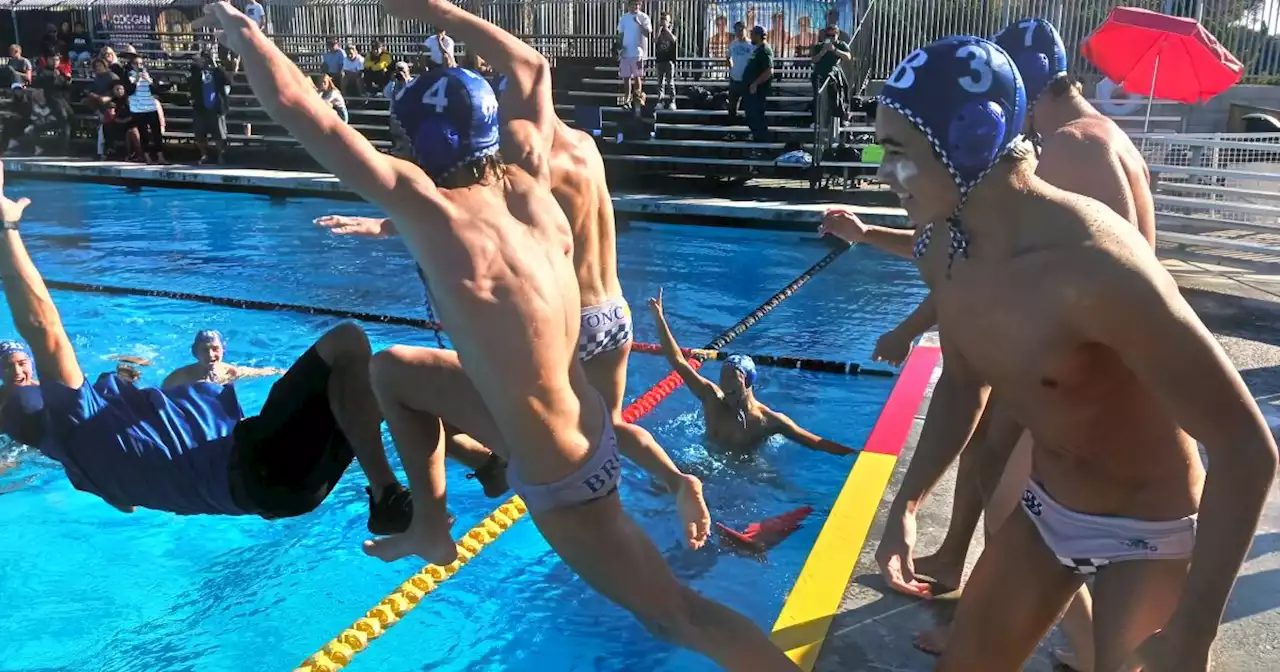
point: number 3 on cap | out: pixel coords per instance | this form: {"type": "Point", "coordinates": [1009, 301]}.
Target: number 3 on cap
{"type": "Point", "coordinates": [435, 95]}
{"type": "Point", "coordinates": [979, 62]}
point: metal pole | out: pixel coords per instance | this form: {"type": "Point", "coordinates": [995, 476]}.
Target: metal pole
{"type": "Point", "coordinates": [1004, 12]}
{"type": "Point", "coordinates": [1199, 11]}
{"type": "Point", "coordinates": [1151, 96]}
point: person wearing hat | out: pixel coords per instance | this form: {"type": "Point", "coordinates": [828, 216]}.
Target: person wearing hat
{"type": "Point", "coordinates": [399, 80]}
{"type": "Point", "coordinates": [758, 77]}
{"type": "Point", "coordinates": [735, 419]}
{"type": "Point", "coordinates": [146, 110]}
{"type": "Point", "coordinates": [209, 348]}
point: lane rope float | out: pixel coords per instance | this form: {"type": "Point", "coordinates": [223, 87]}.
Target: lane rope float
{"type": "Point", "coordinates": [338, 652]}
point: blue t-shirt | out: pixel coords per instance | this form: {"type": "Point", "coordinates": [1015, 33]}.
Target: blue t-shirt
{"type": "Point", "coordinates": [210, 89]}
{"type": "Point", "coordinates": [22, 416]}
{"type": "Point", "coordinates": [168, 449]}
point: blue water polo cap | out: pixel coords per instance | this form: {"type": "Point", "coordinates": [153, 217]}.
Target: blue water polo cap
{"type": "Point", "coordinates": [745, 365]}
{"type": "Point", "coordinates": [965, 95]}
{"type": "Point", "coordinates": [1037, 50]}
{"type": "Point", "coordinates": [449, 117]}
{"type": "Point", "coordinates": [207, 336]}
{"type": "Point", "coordinates": [8, 348]}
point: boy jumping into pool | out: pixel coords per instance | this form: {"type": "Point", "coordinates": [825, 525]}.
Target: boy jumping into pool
{"type": "Point", "coordinates": [189, 449]}
{"type": "Point", "coordinates": [209, 349]}
{"type": "Point", "coordinates": [578, 183]}
{"type": "Point", "coordinates": [497, 253]}
{"type": "Point", "coordinates": [735, 419]}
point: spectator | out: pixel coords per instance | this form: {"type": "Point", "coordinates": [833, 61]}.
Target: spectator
{"type": "Point", "coordinates": [55, 72]}
{"type": "Point", "coordinates": [98, 95]}
{"type": "Point", "coordinates": [209, 87]}
{"type": "Point", "coordinates": [833, 21]}
{"type": "Point", "coordinates": [759, 76]}
{"type": "Point", "coordinates": [399, 80]}
{"type": "Point", "coordinates": [473, 62]}
{"type": "Point", "coordinates": [330, 94]}
{"type": "Point", "coordinates": [828, 58]}
{"type": "Point", "coordinates": [257, 13]}
{"type": "Point", "coordinates": [738, 54]}
{"type": "Point", "coordinates": [49, 41]}
{"type": "Point", "coordinates": [147, 112]}
{"type": "Point", "coordinates": [48, 124]}
{"type": "Point", "coordinates": [120, 138]}
{"type": "Point", "coordinates": [20, 68]}
{"type": "Point", "coordinates": [377, 68]}
{"type": "Point", "coordinates": [108, 55]}
{"type": "Point", "coordinates": [635, 27]}
{"type": "Point", "coordinates": [439, 49]}
{"type": "Point", "coordinates": [79, 49]}
{"type": "Point", "coordinates": [664, 52]}
{"type": "Point", "coordinates": [352, 67]}
{"type": "Point", "coordinates": [333, 60]}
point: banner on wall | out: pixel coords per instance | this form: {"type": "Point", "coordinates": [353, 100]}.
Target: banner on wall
{"type": "Point", "coordinates": [792, 26]}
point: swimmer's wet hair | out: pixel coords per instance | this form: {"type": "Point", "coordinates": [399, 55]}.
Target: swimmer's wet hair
{"type": "Point", "coordinates": [1064, 86]}
{"type": "Point", "coordinates": [483, 171]}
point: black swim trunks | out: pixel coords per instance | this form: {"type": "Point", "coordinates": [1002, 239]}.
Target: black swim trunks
{"type": "Point", "coordinates": [288, 458]}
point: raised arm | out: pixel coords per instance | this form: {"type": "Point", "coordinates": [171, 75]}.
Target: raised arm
{"type": "Point", "coordinates": [343, 225]}
{"type": "Point", "coordinates": [701, 388]}
{"type": "Point", "coordinates": [779, 423]}
{"type": "Point", "coordinates": [245, 372]}
{"type": "Point", "coordinates": [289, 97]}
{"type": "Point", "coordinates": [1139, 312]}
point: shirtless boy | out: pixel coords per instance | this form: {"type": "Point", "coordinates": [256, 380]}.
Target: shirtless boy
{"type": "Point", "coordinates": [1061, 305]}
{"type": "Point", "coordinates": [735, 419]}
{"type": "Point", "coordinates": [496, 251]}
{"type": "Point", "coordinates": [208, 348]}
{"type": "Point", "coordinates": [605, 331]}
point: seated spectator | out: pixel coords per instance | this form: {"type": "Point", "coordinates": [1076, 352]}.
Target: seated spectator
{"type": "Point", "coordinates": [333, 60]}
{"type": "Point", "coordinates": [79, 49]}
{"type": "Point", "coordinates": [330, 94]}
{"type": "Point", "coordinates": [439, 50]}
{"type": "Point", "coordinates": [55, 64]}
{"type": "Point", "coordinates": [377, 68]}
{"type": "Point", "coordinates": [48, 124]}
{"type": "Point", "coordinates": [399, 80]}
{"type": "Point", "coordinates": [20, 68]}
{"type": "Point", "coordinates": [352, 68]}
{"type": "Point", "coordinates": [472, 61]}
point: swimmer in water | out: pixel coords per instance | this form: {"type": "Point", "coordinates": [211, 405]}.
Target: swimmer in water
{"type": "Point", "coordinates": [497, 253]}
{"type": "Point", "coordinates": [189, 449]}
{"type": "Point", "coordinates": [605, 332]}
{"type": "Point", "coordinates": [735, 419]}
{"type": "Point", "coordinates": [1060, 304]}
{"type": "Point", "coordinates": [209, 349]}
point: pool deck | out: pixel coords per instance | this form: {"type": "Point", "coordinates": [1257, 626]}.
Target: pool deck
{"type": "Point", "coordinates": [762, 209]}
{"type": "Point", "coordinates": [872, 628]}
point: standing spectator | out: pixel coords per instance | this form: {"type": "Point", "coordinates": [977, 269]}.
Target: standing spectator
{"type": "Point", "coordinates": [148, 114]}
{"type": "Point", "coordinates": [255, 11]}
{"type": "Point", "coordinates": [759, 77]}
{"type": "Point", "coordinates": [352, 68]}
{"type": "Point", "coordinates": [330, 94]}
{"type": "Point", "coordinates": [833, 21]}
{"type": "Point", "coordinates": [20, 68]}
{"type": "Point", "coordinates": [118, 128]}
{"type": "Point", "coordinates": [377, 67]}
{"type": "Point", "coordinates": [209, 88]}
{"type": "Point", "coordinates": [333, 59]}
{"type": "Point", "coordinates": [664, 52]}
{"type": "Point", "coordinates": [399, 80]}
{"type": "Point", "coordinates": [635, 27]}
{"type": "Point", "coordinates": [738, 54]}
{"type": "Point", "coordinates": [108, 56]}
{"type": "Point", "coordinates": [79, 50]}
{"type": "Point", "coordinates": [439, 48]}
{"type": "Point", "coordinates": [828, 58]}
{"type": "Point", "coordinates": [98, 96]}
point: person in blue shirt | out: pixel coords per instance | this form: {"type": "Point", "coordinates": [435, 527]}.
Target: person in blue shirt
{"type": "Point", "coordinates": [189, 449]}
{"type": "Point", "coordinates": [209, 88]}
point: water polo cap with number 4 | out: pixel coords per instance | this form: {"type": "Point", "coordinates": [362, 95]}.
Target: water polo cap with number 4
{"type": "Point", "coordinates": [449, 117]}
{"type": "Point", "coordinates": [964, 94]}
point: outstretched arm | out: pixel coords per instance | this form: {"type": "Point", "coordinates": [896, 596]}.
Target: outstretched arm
{"type": "Point", "coordinates": [701, 388]}
{"type": "Point", "coordinates": [779, 423]}
{"type": "Point", "coordinates": [33, 311]}
{"type": "Point", "coordinates": [244, 372]}
{"type": "Point", "coordinates": [373, 227]}
{"type": "Point", "coordinates": [289, 97]}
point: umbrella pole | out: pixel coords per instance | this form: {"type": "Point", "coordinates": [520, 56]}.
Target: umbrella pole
{"type": "Point", "coordinates": [1146, 124]}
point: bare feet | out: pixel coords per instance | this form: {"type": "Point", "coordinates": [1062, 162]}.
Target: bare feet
{"type": "Point", "coordinates": [934, 641]}
{"type": "Point", "coordinates": [427, 538]}
{"type": "Point", "coordinates": [945, 573]}
{"type": "Point", "coordinates": [693, 511]}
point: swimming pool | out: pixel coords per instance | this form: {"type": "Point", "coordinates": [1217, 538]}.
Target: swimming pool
{"type": "Point", "coordinates": [87, 588]}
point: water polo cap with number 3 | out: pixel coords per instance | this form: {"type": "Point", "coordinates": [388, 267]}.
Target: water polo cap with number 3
{"type": "Point", "coordinates": [449, 117]}
{"type": "Point", "coordinates": [964, 94]}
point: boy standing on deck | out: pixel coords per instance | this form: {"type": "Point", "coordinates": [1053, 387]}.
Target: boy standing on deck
{"type": "Point", "coordinates": [664, 52]}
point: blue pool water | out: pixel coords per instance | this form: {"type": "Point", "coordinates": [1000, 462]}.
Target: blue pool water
{"type": "Point", "coordinates": [84, 587]}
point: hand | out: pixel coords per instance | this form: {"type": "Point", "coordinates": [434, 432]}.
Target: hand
{"type": "Point", "coordinates": [655, 304]}
{"type": "Point", "coordinates": [843, 224]}
{"type": "Point", "coordinates": [752, 88]}
{"type": "Point", "coordinates": [892, 347]}
{"type": "Point", "coordinates": [11, 210]}
{"type": "Point", "coordinates": [372, 227]}
{"type": "Point", "coordinates": [1169, 651]}
{"type": "Point", "coordinates": [222, 16]}
{"type": "Point", "coordinates": [894, 555]}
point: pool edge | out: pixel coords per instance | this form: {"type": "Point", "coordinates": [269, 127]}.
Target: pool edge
{"type": "Point", "coordinates": [805, 617]}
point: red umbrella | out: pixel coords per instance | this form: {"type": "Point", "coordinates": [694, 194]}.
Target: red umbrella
{"type": "Point", "coordinates": [1161, 56]}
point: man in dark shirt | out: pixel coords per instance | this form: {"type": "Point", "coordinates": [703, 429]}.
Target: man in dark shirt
{"type": "Point", "coordinates": [829, 57]}
{"type": "Point", "coordinates": [208, 87]}
{"type": "Point", "coordinates": [758, 76]}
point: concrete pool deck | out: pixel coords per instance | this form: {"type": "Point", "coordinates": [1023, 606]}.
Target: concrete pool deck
{"type": "Point", "coordinates": [839, 616]}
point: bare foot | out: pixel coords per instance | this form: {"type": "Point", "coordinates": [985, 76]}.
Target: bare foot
{"type": "Point", "coordinates": [427, 539]}
{"type": "Point", "coordinates": [693, 511]}
{"type": "Point", "coordinates": [1065, 658]}
{"type": "Point", "coordinates": [933, 642]}
{"type": "Point", "coordinates": [946, 574]}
